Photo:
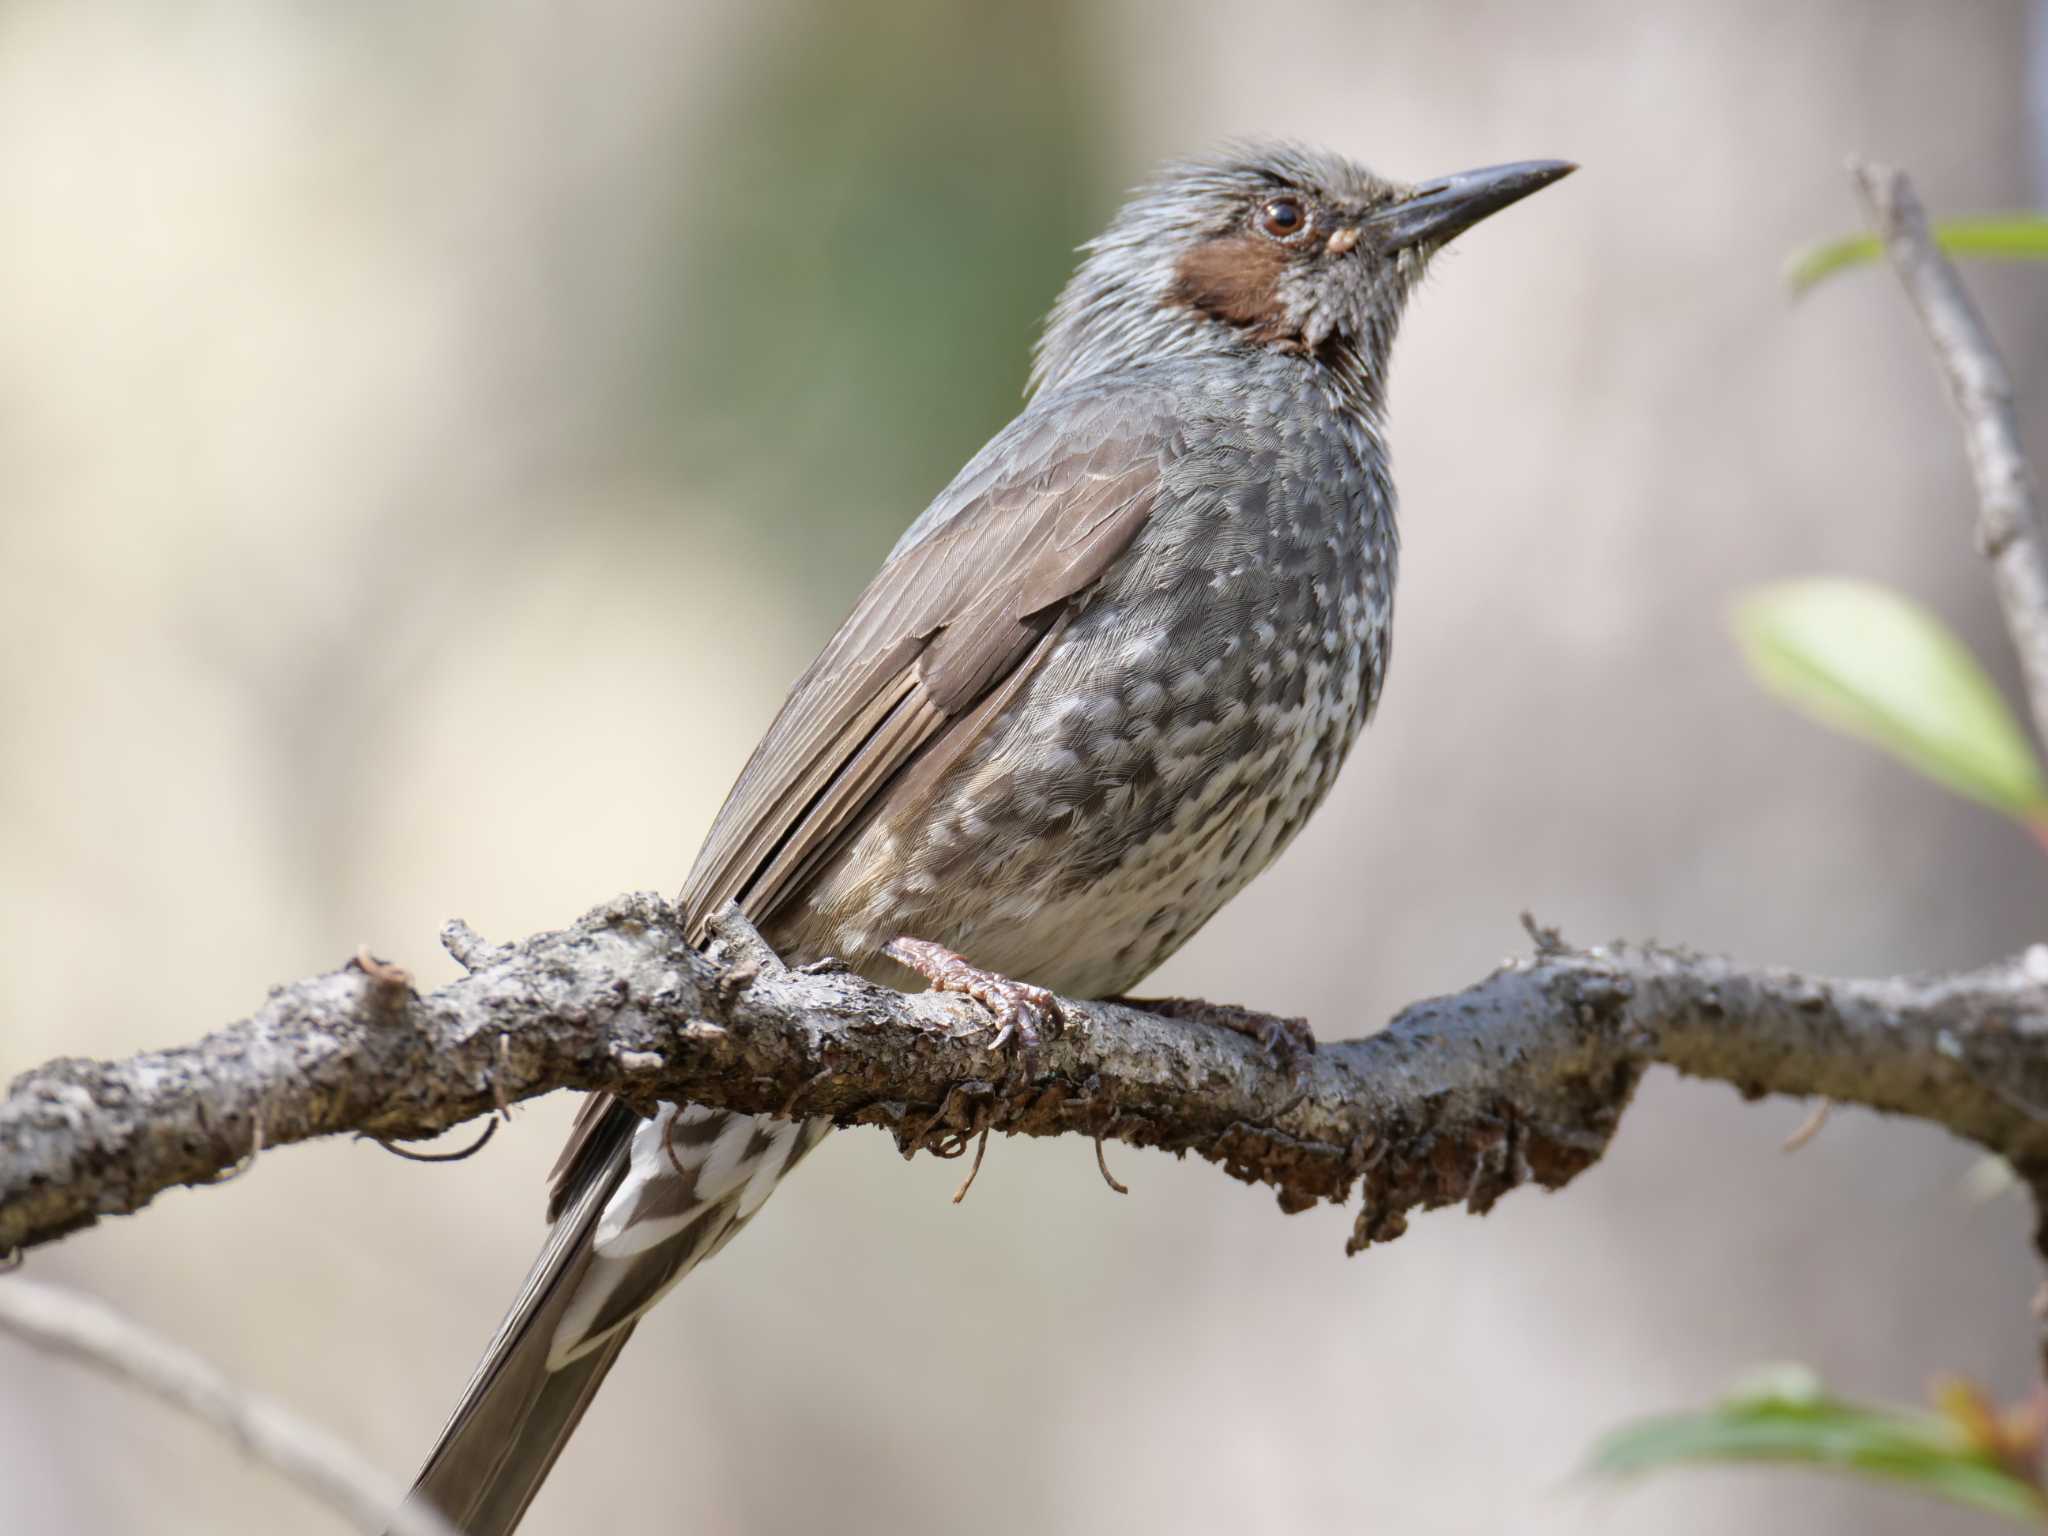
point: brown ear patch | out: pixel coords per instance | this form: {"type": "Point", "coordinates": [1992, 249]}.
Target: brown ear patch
{"type": "Point", "coordinates": [1237, 279]}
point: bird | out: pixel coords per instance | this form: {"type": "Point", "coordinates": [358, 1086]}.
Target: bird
{"type": "Point", "coordinates": [1095, 688]}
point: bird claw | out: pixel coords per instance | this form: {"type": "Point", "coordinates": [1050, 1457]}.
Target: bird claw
{"type": "Point", "coordinates": [1018, 1010]}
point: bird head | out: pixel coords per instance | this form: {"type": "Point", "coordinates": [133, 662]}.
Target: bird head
{"type": "Point", "coordinates": [1266, 247]}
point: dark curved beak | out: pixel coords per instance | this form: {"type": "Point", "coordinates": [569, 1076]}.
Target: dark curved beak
{"type": "Point", "coordinates": [1449, 205]}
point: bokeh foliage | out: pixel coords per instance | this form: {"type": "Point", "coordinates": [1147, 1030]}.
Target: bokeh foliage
{"type": "Point", "coordinates": [865, 257]}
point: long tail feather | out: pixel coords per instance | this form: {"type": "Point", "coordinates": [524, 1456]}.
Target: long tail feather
{"type": "Point", "coordinates": [642, 1203]}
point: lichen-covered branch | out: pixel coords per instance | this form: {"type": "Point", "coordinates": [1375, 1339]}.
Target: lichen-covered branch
{"type": "Point", "coordinates": [1519, 1078]}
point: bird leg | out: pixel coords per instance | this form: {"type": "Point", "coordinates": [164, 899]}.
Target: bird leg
{"type": "Point", "coordinates": [1019, 1008]}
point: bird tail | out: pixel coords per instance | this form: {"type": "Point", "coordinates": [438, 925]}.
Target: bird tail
{"type": "Point", "coordinates": [640, 1203]}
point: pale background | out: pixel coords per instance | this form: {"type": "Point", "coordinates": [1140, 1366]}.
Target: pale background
{"type": "Point", "coordinates": [430, 439]}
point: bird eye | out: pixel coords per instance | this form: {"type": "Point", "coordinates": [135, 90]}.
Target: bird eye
{"type": "Point", "coordinates": [1283, 218]}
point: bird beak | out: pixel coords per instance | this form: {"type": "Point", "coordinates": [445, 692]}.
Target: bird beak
{"type": "Point", "coordinates": [1449, 205]}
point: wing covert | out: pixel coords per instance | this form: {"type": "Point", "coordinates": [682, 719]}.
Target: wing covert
{"type": "Point", "coordinates": [960, 606]}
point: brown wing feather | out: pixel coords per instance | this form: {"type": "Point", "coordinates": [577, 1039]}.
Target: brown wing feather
{"type": "Point", "coordinates": [963, 604]}
{"type": "Point", "coordinates": [960, 608]}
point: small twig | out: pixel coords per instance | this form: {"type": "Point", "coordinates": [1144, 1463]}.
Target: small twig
{"type": "Point", "coordinates": [981, 1146]}
{"type": "Point", "coordinates": [753, 955]}
{"type": "Point", "coordinates": [88, 1331]}
{"type": "Point", "coordinates": [385, 973]}
{"type": "Point", "coordinates": [490, 1130]}
{"type": "Point", "coordinates": [498, 1077]}
{"type": "Point", "coordinates": [788, 1110]}
{"type": "Point", "coordinates": [1107, 1177]}
{"type": "Point", "coordinates": [235, 1170]}
{"type": "Point", "coordinates": [1545, 936]}
{"type": "Point", "coordinates": [468, 948]}
{"type": "Point", "coordinates": [1808, 1128]}
{"type": "Point", "coordinates": [911, 1144]}
{"type": "Point", "coordinates": [1980, 389]}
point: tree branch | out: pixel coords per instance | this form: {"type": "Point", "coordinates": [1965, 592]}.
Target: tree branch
{"type": "Point", "coordinates": [66, 1323]}
{"type": "Point", "coordinates": [1519, 1078]}
{"type": "Point", "coordinates": [2008, 516]}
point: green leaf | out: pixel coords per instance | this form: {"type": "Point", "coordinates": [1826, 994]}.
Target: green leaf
{"type": "Point", "coordinates": [1930, 1453]}
{"type": "Point", "coordinates": [1865, 660]}
{"type": "Point", "coordinates": [2003, 237]}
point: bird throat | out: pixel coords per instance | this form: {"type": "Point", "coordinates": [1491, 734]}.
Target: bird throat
{"type": "Point", "coordinates": [1235, 281]}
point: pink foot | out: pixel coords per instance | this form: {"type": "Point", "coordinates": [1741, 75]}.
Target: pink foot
{"type": "Point", "coordinates": [1019, 1008]}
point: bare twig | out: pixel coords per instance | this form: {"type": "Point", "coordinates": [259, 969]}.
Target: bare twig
{"type": "Point", "coordinates": [67, 1323]}
{"type": "Point", "coordinates": [469, 949]}
{"type": "Point", "coordinates": [459, 1155]}
{"type": "Point", "coordinates": [980, 1146]}
{"type": "Point", "coordinates": [1102, 1167]}
{"type": "Point", "coordinates": [1520, 1078]}
{"type": "Point", "coordinates": [244, 1163]}
{"type": "Point", "coordinates": [1808, 1128]}
{"type": "Point", "coordinates": [2008, 515]}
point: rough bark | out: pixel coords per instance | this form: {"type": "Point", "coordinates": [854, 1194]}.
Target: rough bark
{"type": "Point", "coordinates": [1520, 1078]}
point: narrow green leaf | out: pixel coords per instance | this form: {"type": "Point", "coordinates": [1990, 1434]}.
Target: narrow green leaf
{"type": "Point", "coordinates": [1923, 1451]}
{"type": "Point", "coordinates": [2002, 237]}
{"type": "Point", "coordinates": [1865, 660]}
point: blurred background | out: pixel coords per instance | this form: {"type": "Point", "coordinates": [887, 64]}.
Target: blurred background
{"type": "Point", "coordinates": [432, 437]}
